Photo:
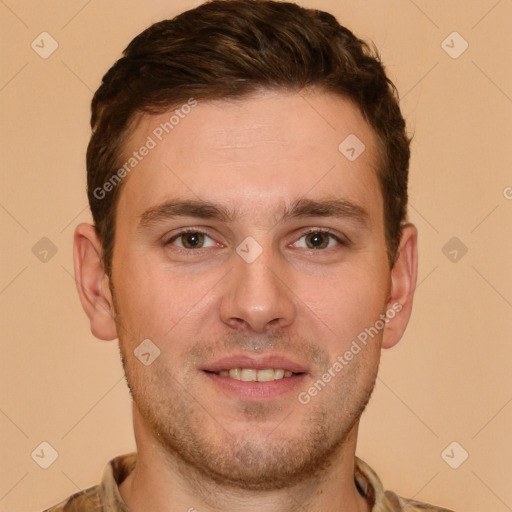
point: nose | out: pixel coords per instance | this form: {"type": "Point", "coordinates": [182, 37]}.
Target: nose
{"type": "Point", "coordinates": [257, 298]}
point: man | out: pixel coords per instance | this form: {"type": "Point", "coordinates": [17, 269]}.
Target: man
{"type": "Point", "coordinates": [247, 175]}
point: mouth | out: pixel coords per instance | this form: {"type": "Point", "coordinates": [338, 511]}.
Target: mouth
{"type": "Point", "coordinates": [256, 378]}
{"type": "Point", "coordinates": [253, 375]}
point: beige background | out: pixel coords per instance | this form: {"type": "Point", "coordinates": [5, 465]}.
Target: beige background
{"type": "Point", "coordinates": [450, 377]}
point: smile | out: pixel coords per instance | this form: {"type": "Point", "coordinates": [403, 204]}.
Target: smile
{"type": "Point", "coordinates": [253, 375]}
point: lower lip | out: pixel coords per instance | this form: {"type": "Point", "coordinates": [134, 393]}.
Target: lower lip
{"type": "Point", "coordinates": [256, 390]}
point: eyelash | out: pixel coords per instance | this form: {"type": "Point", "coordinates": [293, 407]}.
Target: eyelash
{"type": "Point", "coordinates": [342, 242]}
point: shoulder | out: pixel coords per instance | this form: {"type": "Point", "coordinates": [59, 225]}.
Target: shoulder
{"type": "Point", "coordinates": [371, 488]}
{"type": "Point", "coordinates": [87, 500]}
{"type": "Point", "coordinates": [105, 496]}
{"type": "Point", "coordinates": [399, 504]}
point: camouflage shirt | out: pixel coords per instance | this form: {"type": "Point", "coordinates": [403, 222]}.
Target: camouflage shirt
{"type": "Point", "coordinates": [105, 497]}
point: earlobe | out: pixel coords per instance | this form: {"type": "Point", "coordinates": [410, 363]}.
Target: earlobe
{"type": "Point", "coordinates": [403, 283]}
{"type": "Point", "coordinates": [92, 282]}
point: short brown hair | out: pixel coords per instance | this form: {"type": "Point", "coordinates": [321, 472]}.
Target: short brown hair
{"type": "Point", "coordinates": [231, 49]}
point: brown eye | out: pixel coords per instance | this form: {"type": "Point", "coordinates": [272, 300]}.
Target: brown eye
{"type": "Point", "coordinates": [192, 240]}
{"type": "Point", "coordinates": [317, 240]}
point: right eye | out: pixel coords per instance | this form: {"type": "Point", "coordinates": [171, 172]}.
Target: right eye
{"type": "Point", "coordinates": [190, 240]}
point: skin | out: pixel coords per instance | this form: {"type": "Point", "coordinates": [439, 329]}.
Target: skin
{"type": "Point", "coordinates": [199, 445]}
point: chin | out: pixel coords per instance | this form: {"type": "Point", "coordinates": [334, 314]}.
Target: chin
{"type": "Point", "coordinates": [263, 466]}
{"type": "Point", "coordinates": [266, 460]}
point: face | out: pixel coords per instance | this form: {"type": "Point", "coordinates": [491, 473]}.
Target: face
{"type": "Point", "coordinates": [251, 252]}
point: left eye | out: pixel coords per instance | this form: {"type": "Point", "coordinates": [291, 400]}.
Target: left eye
{"type": "Point", "coordinates": [317, 240]}
{"type": "Point", "coordinates": [192, 240]}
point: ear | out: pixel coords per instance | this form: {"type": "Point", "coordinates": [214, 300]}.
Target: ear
{"type": "Point", "coordinates": [93, 283]}
{"type": "Point", "coordinates": [403, 283]}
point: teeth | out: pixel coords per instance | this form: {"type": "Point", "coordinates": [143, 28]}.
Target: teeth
{"type": "Point", "coordinates": [252, 375]}
{"type": "Point", "coordinates": [278, 374]}
{"type": "Point", "coordinates": [248, 375]}
{"type": "Point", "coordinates": [235, 373]}
{"type": "Point", "coordinates": [266, 375]}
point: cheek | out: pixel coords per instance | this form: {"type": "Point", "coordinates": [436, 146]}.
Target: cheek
{"type": "Point", "coordinates": [155, 301]}
{"type": "Point", "coordinates": [346, 304]}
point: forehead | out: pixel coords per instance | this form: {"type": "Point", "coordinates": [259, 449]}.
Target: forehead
{"type": "Point", "coordinates": [271, 148]}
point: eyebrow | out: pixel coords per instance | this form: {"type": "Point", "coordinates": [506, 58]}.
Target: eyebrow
{"type": "Point", "coordinates": [335, 208]}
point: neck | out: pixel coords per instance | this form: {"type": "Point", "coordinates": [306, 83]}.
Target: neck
{"type": "Point", "coordinates": [162, 482]}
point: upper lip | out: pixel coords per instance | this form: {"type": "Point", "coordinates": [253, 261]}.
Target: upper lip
{"type": "Point", "coordinates": [261, 362]}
